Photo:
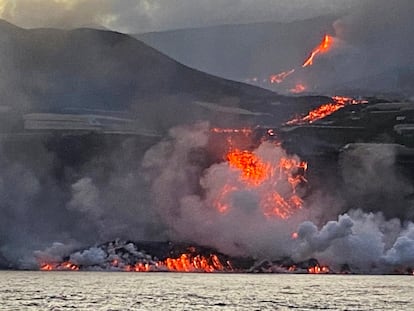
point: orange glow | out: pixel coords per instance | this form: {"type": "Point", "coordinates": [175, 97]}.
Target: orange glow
{"type": "Point", "coordinates": [219, 202]}
{"type": "Point", "coordinates": [186, 262]}
{"type": "Point", "coordinates": [194, 263]}
{"type": "Point", "coordinates": [276, 205]}
{"type": "Point", "coordinates": [299, 88]}
{"type": "Point", "coordinates": [46, 267]}
{"type": "Point", "coordinates": [323, 47]}
{"type": "Point", "coordinates": [64, 266]}
{"type": "Point", "coordinates": [326, 110]}
{"type": "Point", "coordinates": [138, 267]}
{"type": "Point", "coordinates": [318, 270]}
{"type": "Point", "coordinates": [280, 77]}
{"type": "Point", "coordinates": [68, 266]}
{"type": "Point", "coordinates": [317, 114]}
{"type": "Point", "coordinates": [348, 100]}
{"type": "Point", "coordinates": [295, 235]}
{"type": "Point", "coordinates": [253, 170]}
{"type": "Point", "coordinates": [245, 131]}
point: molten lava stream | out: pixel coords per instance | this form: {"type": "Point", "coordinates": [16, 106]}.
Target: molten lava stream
{"type": "Point", "coordinates": [191, 263]}
{"type": "Point", "coordinates": [254, 171]}
{"type": "Point", "coordinates": [326, 109]}
{"type": "Point", "coordinates": [264, 178]}
{"type": "Point", "coordinates": [64, 266]}
{"type": "Point", "coordinates": [318, 270]}
{"type": "Point", "coordinates": [299, 88]}
{"type": "Point", "coordinates": [323, 47]}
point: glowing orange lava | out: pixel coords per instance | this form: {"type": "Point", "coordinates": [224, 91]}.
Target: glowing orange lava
{"type": "Point", "coordinates": [326, 110]}
{"type": "Point", "coordinates": [317, 114]}
{"type": "Point", "coordinates": [280, 77]}
{"type": "Point", "coordinates": [220, 204]}
{"type": "Point", "coordinates": [64, 266]}
{"type": "Point", "coordinates": [299, 88]}
{"type": "Point", "coordinates": [46, 267]}
{"type": "Point", "coordinates": [194, 263]}
{"type": "Point", "coordinates": [186, 262]}
{"type": "Point", "coordinates": [253, 170]}
{"type": "Point", "coordinates": [323, 47]}
{"type": "Point", "coordinates": [318, 270]}
{"type": "Point", "coordinates": [245, 131]}
{"type": "Point", "coordinates": [264, 177]}
{"type": "Point", "coordinates": [139, 267]}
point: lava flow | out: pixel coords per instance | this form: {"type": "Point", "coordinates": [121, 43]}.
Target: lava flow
{"type": "Point", "coordinates": [186, 262]}
{"type": "Point", "coordinates": [324, 47]}
{"type": "Point", "coordinates": [64, 266]}
{"type": "Point", "coordinates": [325, 110]}
{"type": "Point", "coordinates": [194, 263]}
{"type": "Point", "coordinates": [318, 270]}
{"type": "Point", "coordinates": [266, 178]}
{"type": "Point", "coordinates": [280, 77]}
{"type": "Point", "coordinates": [299, 88]}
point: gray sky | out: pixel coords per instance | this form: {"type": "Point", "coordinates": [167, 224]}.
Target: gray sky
{"type": "Point", "coordinates": [152, 15]}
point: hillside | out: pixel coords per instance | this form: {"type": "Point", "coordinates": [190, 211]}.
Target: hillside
{"type": "Point", "coordinates": [50, 70]}
{"type": "Point", "coordinates": [242, 51]}
{"type": "Point", "coordinates": [359, 64]}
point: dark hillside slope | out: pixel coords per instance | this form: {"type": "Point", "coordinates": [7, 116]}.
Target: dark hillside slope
{"type": "Point", "coordinates": [83, 69]}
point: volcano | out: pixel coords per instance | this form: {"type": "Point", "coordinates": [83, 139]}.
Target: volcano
{"type": "Point", "coordinates": [86, 71]}
{"type": "Point", "coordinates": [104, 138]}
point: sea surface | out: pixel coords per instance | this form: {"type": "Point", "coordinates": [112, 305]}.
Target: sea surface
{"type": "Point", "coordinates": [177, 291]}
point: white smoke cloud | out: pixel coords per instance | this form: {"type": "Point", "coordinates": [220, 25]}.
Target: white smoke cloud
{"type": "Point", "coordinates": [89, 257]}
{"type": "Point", "coordinates": [402, 252]}
{"type": "Point", "coordinates": [183, 207]}
{"type": "Point", "coordinates": [189, 200]}
{"type": "Point", "coordinates": [366, 242]}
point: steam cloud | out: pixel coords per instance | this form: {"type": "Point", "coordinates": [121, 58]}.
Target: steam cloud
{"type": "Point", "coordinates": [170, 193]}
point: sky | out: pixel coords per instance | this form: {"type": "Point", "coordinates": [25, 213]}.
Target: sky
{"type": "Point", "coordinates": [137, 16]}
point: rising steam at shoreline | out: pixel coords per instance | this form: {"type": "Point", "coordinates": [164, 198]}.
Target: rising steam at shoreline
{"type": "Point", "coordinates": [182, 200]}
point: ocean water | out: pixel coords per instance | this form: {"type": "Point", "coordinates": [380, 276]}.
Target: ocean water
{"type": "Point", "coordinates": [177, 291]}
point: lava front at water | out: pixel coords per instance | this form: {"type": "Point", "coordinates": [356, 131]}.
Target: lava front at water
{"type": "Point", "coordinates": [64, 266]}
{"type": "Point", "coordinates": [267, 179]}
{"type": "Point", "coordinates": [186, 262]}
{"type": "Point", "coordinates": [318, 270]}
